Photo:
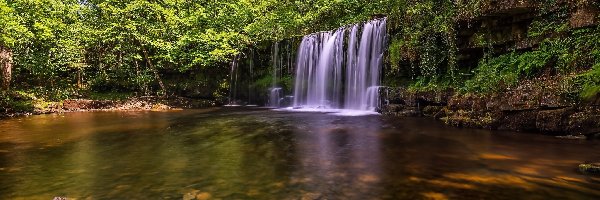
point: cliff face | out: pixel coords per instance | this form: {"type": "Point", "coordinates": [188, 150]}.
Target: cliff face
{"type": "Point", "coordinates": [535, 106]}
{"type": "Point", "coordinates": [541, 102]}
{"type": "Point", "coordinates": [505, 26]}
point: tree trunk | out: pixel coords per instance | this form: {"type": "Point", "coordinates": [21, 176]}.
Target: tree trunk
{"type": "Point", "coordinates": [5, 66]}
{"type": "Point", "coordinates": [79, 79]}
{"type": "Point", "coordinates": [156, 75]}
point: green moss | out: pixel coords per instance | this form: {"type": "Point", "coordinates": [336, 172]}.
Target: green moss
{"type": "Point", "coordinates": [493, 75]}
{"type": "Point", "coordinates": [590, 168]}
{"type": "Point", "coordinates": [434, 84]}
{"type": "Point", "coordinates": [11, 102]}
{"type": "Point", "coordinates": [589, 83]}
{"type": "Point", "coordinates": [395, 53]}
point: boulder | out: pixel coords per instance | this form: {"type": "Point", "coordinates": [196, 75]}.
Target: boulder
{"type": "Point", "coordinates": [524, 120]}
{"type": "Point", "coordinates": [553, 120]}
{"type": "Point", "coordinates": [584, 122]}
{"type": "Point", "coordinates": [431, 111]}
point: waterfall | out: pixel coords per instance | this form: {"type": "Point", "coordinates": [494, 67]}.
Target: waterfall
{"type": "Point", "coordinates": [276, 63]}
{"type": "Point", "coordinates": [250, 85]}
{"type": "Point", "coordinates": [233, 75]}
{"type": "Point", "coordinates": [320, 81]}
{"type": "Point", "coordinates": [275, 97]}
{"type": "Point", "coordinates": [275, 91]}
{"type": "Point", "coordinates": [319, 70]}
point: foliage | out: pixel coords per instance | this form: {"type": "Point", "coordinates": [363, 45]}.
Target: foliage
{"type": "Point", "coordinates": [590, 83]}
{"type": "Point", "coordinates": [435, 84]}
{"type": "Point", "coordinates": [12, 30]}
{"type": "Point", "coordinates": [65, 49]}
{"type": "Point", "coordinates": [494, 75]}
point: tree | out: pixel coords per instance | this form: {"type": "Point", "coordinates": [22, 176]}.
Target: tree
{"type": "Point", "coordinates": [5, 66]}
{"type": "Point", "coordinates": [9, 35]}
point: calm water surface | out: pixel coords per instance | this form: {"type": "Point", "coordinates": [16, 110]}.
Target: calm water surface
{"type": "Point", "coordinates": [235, 153]}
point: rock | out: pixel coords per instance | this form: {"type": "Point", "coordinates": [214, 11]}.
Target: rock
{"type": "Point", "coordinates": [518, 120]}
{"type": "Point", "coordinates": [83, 104]}
{"type": "Point", "coordinates": [584, 122]}
{"type": "Point", "coordinates": [553, 120]}
{"type": "Point", "coordinates": [409, 112]}
{"type": "Point", "coordinates": [591, 168]}
{"type": "Point", "coordinates": [310, 196]}
{"type": "Point", "coordinates": [431, 111]}
{"type": "Point", "coordinates": [442, 113]}
{"type": "Point", "coordinates": [368, 178]}
{"type": "Point", "coordinates": [584, 16]}
{"type": "Point", "coordinates": [391, 109]}
{"type": "Point", "coordinates": [537, 104]}
{"type": "Point", "coordinates": [203, 196]}
{"type": "Point", "coordinates": [190, 195]}
{"type": "Point", "coordinates": [160, 106]}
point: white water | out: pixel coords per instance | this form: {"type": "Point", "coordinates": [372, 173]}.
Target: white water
{"type": "Point", "coordinates": [320, 82]}
{"type": "Point", "coordinates": [233, 75]}
{"type": "Point", "coordinates": [275, 97]}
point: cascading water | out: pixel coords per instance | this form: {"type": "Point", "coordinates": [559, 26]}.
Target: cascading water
{"type": "Point", "coordinates": [233, 82]}
{"type": "Point", "coordinates": [275, 97]}
{"type": "Point", "coordinates": [281, 62]}
{"type": "Point", "coordinates": [365, 72]}
{"type": "Point", "coordinates": [320, 81]}
{"type": "Point", "coordinates": [250, 86]}
{"type": "Point", "coordinates": [373, 96]}
{"type": "Point", "coordinates": [319, 70]}
{"type": "Point", "coordinates": [276, 63]}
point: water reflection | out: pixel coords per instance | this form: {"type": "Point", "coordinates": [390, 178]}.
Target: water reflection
{"type": "Point", "coordinates": [339, 156]}
{"type": "Point", "coordinates": [261, 154]}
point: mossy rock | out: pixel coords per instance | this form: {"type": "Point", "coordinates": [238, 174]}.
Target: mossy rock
{"type": "Point", "coordinates": [592, 168]}
{"type": "Point", "coordinates": [160, 107]}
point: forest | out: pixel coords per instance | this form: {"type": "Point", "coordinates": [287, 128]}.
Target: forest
{"type": "Point", "coordinates": [55, 50]}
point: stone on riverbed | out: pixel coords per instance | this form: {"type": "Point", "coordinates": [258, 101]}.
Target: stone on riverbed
{"type": "Point", "coordinates": [197, 195]}
{"type": "Point", "coordinates": [203, 196]}
{"type": "Point", "coordinates": [592, 168]}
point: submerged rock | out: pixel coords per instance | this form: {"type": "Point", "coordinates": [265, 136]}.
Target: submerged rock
{"type": "Point", "coordinates": [592, 168]}
{"type": "Point", "coordinates": [203, 196]}
{"type": "Point", "coordinates": [311, 196]}
{"type": "Point", "coordinates": [190, 195]}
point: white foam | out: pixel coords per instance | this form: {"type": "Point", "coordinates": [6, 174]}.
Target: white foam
{"type": "Point", "coordinates": [337, 112]}
{"type": "Point", "coordinates": [347, 112]}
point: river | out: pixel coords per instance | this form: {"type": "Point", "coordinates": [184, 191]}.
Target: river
{"type": "Point", "coordinates": [253, 153]}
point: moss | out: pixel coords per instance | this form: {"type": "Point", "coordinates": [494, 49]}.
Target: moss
{"type": "Point", "coordinates": [21, 106]}
{"type": "Point", "coordinates": [590, 83]}
{"type": "Point", "coordinates": [593, 168]}
{"type": "Point", "coordinates": [16, 102]}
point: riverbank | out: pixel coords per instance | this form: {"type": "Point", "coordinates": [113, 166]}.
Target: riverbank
{"type": "Point", "coordinates": [145, 103]}
{"type": "Point", "coordinates": [536, 105]}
